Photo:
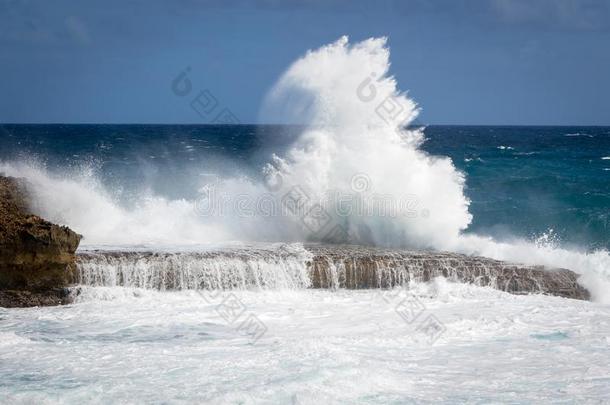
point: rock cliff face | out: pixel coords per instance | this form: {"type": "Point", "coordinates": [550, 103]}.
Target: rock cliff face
{"type": "Point", "coordinates": [36, 257]}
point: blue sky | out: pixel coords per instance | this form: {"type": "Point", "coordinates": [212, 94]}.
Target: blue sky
{"type": "Point", "coordinates": [463, 61]}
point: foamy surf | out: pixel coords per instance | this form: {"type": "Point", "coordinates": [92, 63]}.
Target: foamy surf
{"type": "Point", "coordinates": [348, 347]}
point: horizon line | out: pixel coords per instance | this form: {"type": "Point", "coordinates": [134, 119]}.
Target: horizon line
{"type": "Point", "coordinates": [294, 124]}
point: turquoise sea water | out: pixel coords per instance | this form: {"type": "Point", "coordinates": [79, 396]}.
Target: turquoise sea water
{"type": "Point", "coordinates": [528, 182]}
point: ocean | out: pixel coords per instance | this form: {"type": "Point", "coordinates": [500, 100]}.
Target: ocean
{"type": "Point", "coordinates": [527, 182]}
{"type": "Point", "coordinates": [197, 273]}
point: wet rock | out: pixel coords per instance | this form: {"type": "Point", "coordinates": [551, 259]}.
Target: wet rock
{"type": "Point", "coordinates": [367, 267]}
{"type": "Point", "coordinates": [319, 266]}
{"type": "Point", "coordinates": [37, 257]}
{"type": "Point", "coordinates": [44, 298]}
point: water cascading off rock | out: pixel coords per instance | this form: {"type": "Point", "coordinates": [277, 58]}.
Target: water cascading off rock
{"type": "Point", "coordinates": [315, 266]}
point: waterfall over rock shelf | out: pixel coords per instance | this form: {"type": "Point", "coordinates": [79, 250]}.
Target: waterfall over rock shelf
{"type": "Point", "coordinates": [314, 266]}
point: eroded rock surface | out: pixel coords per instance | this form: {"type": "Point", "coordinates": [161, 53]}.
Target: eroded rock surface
{"type": "Point", "coordinates": [317, 266]}
{"type": "Point", "coordinates": [367, 267]}
{"type": "Point", "coordinates": [36, 256]}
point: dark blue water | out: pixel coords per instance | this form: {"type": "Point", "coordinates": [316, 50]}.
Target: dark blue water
{"type": "Point", "coordinates": [522, 181]}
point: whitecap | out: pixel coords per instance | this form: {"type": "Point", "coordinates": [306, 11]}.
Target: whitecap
{"type": "Point", "coordinates": [580, 134]}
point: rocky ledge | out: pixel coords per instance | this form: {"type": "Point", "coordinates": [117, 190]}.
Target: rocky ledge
{"type": "Point", "coordinates": [367, 267]}
{"type": "Point", "coordinates": [319, 266]}
{"type": "Point", "coordinates": [37, 257]}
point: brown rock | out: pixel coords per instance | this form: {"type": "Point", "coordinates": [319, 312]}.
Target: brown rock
{"type": "Point", "coordinates": [24, 299]}
{"type": "Point", "coordinates": [366, 267]}
{"type": "Point", "coordinates": [36, 257]}
{"type": "Point", "coordinates": [329, 266]}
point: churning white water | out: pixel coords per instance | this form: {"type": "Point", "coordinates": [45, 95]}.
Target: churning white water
{"type": "Point", "coordinates": [357, 141]}
{"type": "Point", "coordinates": [119, 345]}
